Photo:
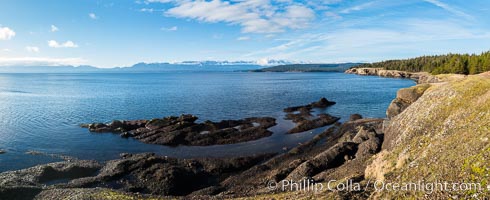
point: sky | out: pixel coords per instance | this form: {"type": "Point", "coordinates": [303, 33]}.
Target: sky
{"type": "Point", "coordinates": [111, 33]}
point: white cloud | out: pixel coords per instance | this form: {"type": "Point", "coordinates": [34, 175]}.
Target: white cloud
{"type": "Point", "coordinates": [333, 15]}
{"type": "Point", "coordinates": [32, 49]}
{"type": "Point", "coordinates": [263, 61]}
{"type": "Point", "coordinates": [217, 36]}
{"type": "Point", "coordinates": [450, 9]}
{"type": "Point", "coordinates": [6, 50]}
{"type": "Point", "coordinates": [93, 16]}
{"type": "Point", "coordinates": [255, 16]}
{"type": "Point", "coordinates": [6, 33]}
{"type": "Point", "coordinates": [350, 44]}
{"type": "Point", "coordinates": [159, 1]}
{"type": "Point", "coordinates": [243, 38]}
{"type": "Point", "coordinates": [54, 28]}
{"type": "Point", "coordinates": [173, 28]}
{"type": "Point", "coordinates": [67, 44]}
{"type": "Point", "coordinates": [358, 7]}
{"type": "Point", "coordinates": [45, 61]}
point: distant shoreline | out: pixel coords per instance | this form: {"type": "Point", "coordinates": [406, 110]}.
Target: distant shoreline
{"type": "Point", "coordinates": [340, 67]}
{"type": "Point", "coordinates": [419, 77]}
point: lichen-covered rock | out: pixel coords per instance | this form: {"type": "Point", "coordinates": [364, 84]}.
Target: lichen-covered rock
{"type": "Point", "coordinates": [404, 98]}
{"type": "Point", "coordinates": [443, 135]}
{"type": "Point", "coordinates": [396, 107]}
{"type": "Point", "coordinates": [411, 94]}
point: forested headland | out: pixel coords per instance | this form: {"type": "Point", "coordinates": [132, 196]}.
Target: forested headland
{"type": "Point", "coordinates": [442, 64]}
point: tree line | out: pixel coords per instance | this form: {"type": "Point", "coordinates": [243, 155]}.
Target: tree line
{"type": "Point", "coordinates": [442, 64]}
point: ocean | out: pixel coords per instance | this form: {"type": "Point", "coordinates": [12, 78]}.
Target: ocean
{"type": "Point", "coordinates": [42, 112]}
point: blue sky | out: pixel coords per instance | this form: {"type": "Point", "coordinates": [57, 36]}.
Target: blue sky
{"type": "Point", "coordinates": [108, 33]}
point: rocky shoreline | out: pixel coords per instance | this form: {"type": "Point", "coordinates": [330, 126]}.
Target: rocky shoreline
{"type": "Point", "coordinates": [342, 146]}
{"type": "Point", "coordinates": [419, 137]}
{"type": "Point", "coordinates": [419, 77]}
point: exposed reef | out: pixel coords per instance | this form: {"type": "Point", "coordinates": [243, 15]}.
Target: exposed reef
{"type": "Point", "coordinates": [340, 147]}
{"type": "Point", "coordinates": [301, 115]}
{"type": "Point", "coordinates": [184, 130]}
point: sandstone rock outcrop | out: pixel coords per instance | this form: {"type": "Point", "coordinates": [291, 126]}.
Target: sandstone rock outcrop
{"type": "Point", "coordinates": [443, 136]}
{"type": "Point", "coordinates": [420, 77]}
{"type": "Point", "coordinates": [404, 98]}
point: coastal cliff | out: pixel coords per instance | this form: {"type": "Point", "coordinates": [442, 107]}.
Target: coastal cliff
{"type": "Point", "coordinates": [441, 137]}
{"type": "Point", "coordinates": [420, 77]}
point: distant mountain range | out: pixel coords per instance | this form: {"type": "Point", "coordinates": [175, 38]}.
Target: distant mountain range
{"type": "Point", "coordinates": [188, 66]}
{"type": "Point", "coordinates": [263, 62]}
{"type": "Point", "coordinates": [340, 67]}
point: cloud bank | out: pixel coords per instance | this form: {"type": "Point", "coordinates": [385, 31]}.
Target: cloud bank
{"type": "Point", "coordinates": [255, 16]}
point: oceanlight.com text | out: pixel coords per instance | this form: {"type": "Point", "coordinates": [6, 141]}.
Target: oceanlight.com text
{"type": "Point", "coordinates": [310, 185]}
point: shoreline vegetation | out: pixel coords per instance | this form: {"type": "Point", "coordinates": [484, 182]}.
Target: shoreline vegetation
{"type": "Point", "coordinates": [421, 135]}
{"type": "Point", "coordinates": [441, 64]}
{"type": "Point", "coordinates": [419, 77]}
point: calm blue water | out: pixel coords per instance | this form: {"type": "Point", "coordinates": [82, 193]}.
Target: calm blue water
{"type": "Point", "coordinates": [41, 112]}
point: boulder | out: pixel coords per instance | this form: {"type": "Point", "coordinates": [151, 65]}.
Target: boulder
{"type": "Point", "coordinates": [368, 147]}
{"type": "Point", "coordinates": [330, 158]}
{"type": "Point", "coordinates": [321, 121]}
{"type": "Point", "coordinates": [322, 103]}
{"type": "Point", "coordinates": [27, 183]}
{"type": "Point", "coordinates": [354, 117]}
{"type": "Point", "coordinates": [396, 107]}
{"type": "Point", "coordinates": [411, 94]}
{"type": "Point", "coordinates": [404, 98]}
